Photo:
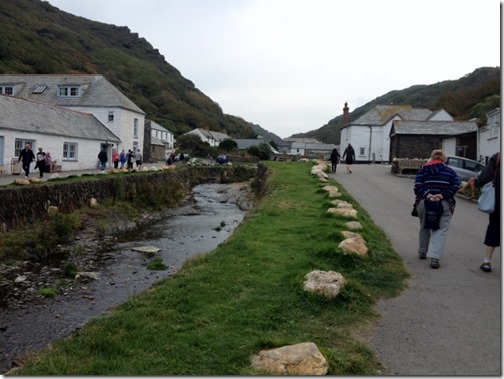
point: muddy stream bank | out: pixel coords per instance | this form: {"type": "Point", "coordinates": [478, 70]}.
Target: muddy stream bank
{"type": "Point", "coordinates": [111, 270]}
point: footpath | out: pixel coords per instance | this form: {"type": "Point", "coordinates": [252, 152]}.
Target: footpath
{"type": "Point", "coordinates": [6, 179]}
{"type": "Point", "coordinates": [448, 321]}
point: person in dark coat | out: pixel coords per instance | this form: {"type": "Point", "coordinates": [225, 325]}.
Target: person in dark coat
{"type": "Point", "coordinates": [102, 157]}
{"type": "Point", "coordinates": [27, 157]}
{"type": "Point", "coordinates": [491, 173]}
{"type": "Point", "coordinates": [350, 158]}
{"type": "Point", "coordinates": [435, 187]}
{"type": "Point", "coordinates": [335, 158]}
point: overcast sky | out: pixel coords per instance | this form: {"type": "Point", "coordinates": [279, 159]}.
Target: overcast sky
{"type": "Point", "coordinates": [290, 65]}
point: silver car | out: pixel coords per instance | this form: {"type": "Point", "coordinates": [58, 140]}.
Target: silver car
{"type": "Point", "coordinates": [465, 168]}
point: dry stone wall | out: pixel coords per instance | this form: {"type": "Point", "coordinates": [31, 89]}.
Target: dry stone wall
{"type": "Point", "coordinates": [30, 204]}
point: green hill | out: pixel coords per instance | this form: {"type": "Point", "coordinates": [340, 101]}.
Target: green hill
{"type": "Point", "coordinates": [471, 96]}
{"type": "Point", "coordinates": [38, 38]}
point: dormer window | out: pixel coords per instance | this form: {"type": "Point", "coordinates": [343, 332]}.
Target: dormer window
{"type": "Point", "coordinates": [7, 90]}
{"type": "Point", "coordinates": [68, 91]}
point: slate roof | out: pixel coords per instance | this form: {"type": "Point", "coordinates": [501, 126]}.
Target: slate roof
{"type": "Point", "coordinates": [96, 91]}
{"type": "Point", "coordinates": [451, 128]}
{"type": "Point", "coordinates": [312, 146]}
{"type": "Point", "coordinates": [244, 144]}
{"type": "Point", "coordinates": [156, 126]}
{"type": "Point", "coordinates": [301, 140]}
{"type": "Point", "coordinates": [31, 116]}
{"type": "Point", "coordinates": [157, 141]}
{"type": "Point", "coordinates": [381, 114]}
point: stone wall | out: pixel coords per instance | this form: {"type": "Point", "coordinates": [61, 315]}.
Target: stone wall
{"type": "Point", "coordinates": [28, 205]}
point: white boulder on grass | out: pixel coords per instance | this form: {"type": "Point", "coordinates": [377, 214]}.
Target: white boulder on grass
{"type": "Point", "coordinates": [326, 283]}
{"type": "Point", "coordinates": [300, 359]}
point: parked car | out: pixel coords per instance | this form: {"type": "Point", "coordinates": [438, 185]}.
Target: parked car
{"type": "Point", "coordinates": [465, 168]}
{"type": "Point", "coordinates": [221, 159]}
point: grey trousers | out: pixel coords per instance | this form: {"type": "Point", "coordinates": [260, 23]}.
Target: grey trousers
{"type": "Point", "coordinates": [433, 242]}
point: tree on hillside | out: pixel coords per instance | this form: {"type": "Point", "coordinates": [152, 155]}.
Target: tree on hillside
{"type": "Point", "coordinates": [228, 145]}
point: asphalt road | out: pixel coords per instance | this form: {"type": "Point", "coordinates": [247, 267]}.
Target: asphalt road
{"type": "Point", "coordinates": [448, 322]}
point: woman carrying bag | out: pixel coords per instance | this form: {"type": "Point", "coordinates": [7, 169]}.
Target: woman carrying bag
{"type": "Point", "coordinates": [491, 173]}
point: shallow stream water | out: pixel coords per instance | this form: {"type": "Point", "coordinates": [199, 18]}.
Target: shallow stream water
{"type": "Point", "coordinates": [196, 228]}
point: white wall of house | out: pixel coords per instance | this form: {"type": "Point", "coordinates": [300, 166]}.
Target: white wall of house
{"type": "Point", "coordinates": [86, 150]}
{"type": "Point", "coordinates": [164, 135]}
{"type": "Point", "coordinates": [449, 145]}
{"type": "Point", "coordinates": [489, 136]}
{"type": "Point", "coordinates": [123, 125]}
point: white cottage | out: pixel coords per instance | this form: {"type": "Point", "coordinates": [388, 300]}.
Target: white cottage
{"type": "Point", "coordinates": [213, 138]}
{"type": "Point", "coordinates": [85, 93]}
{"type": "Point", "coordinates": [370, 133]}
{"type": "Point", "coordinates": [489, 136]}
{"type": "Point", "coordinates": [73, 138]}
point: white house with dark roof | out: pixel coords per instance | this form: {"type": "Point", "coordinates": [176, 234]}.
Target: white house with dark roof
{"type": "Point", "coordinates": [213, 138]}
{"type": "Point", "coordinates": [163, 134]}
{"type": "Point", "coordinates": [73, 138]}
{"type": "Point", "coordinates": [370, 133]}
{"type": "Point", "coordinates": [85, 93]}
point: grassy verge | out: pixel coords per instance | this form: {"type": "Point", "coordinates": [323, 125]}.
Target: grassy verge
{"type": "Point", "coordinates": [245, 296]}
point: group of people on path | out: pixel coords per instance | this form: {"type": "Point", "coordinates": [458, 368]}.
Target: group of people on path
{"type": "Point", "coordinates": [44, 161]}
{"type": "Point", "coordinates": [435, 188]}
{"type": "Point", "coordinates": [348, 155]}
{"type": "Point", "coordinates": [121, 158]}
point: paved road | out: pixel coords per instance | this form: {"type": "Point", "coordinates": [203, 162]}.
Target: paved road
{"type": "Point", "coordinates": [448, 322]}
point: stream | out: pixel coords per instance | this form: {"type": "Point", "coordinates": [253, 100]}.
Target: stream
{"type": "Point", "coordinates": [207, 219]}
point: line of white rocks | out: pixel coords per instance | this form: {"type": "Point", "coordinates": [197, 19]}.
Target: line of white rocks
{"type": "Point", "coordinates": [305, 358]}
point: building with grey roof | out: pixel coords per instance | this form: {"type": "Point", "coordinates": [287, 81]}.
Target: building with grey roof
{"type": "Point", "coordinates": [73, 138]}
{"type": "Point", "coordinates": [417, 139]}
{"type": "Point", "coordinates": [370, 133]}
{"type": "Point", "coordinates": [87, 93]}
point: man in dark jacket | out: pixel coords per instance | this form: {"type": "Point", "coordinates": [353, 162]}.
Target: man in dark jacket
{"type": "Point", "coordinates": [102, 157]}
{"type": "Point", "coordinates": [27, 157]}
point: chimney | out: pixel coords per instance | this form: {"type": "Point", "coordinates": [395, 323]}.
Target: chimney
{"type": "Point", "coordinates": [346, 114]}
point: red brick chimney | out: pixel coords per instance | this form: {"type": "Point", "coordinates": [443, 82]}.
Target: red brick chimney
{"type": "Point", "coordinates": [346, 114]}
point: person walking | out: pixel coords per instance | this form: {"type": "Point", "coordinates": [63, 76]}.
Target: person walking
{"type": "Point", "coordinates": [335, 158]}
{"type": "Point", "coordinates": [26, 155]}
{"type": "Point", "coordinates": [435, 187]}
{"type": "Point", "coordinates": [50, 163]}
{"type": "Point", "coordinates": [123, 158]}
{"type": "Point", "coordinates": [130, 157]}
{"type": "Point", "coordinates": [138, 158]}
{"type": "Point", "coordinates": [115, 158]}
{"type": "Point", "coordinates": [349, 153]}
{"type": "Point", "coordinates": [40, 164]}
{"type": "Point", "coordinates": [491, 173]}
{"type": "Point", "coordinates": [102, 157]}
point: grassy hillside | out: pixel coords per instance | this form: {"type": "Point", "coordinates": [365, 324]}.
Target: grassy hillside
{"type": "Point", "coordinates": [38, 38]}
{"type": "Point", "coordinates": [471, 96]}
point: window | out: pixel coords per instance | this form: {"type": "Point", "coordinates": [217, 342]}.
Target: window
{"type": "Point", "coordinates": [39, 89]}
{"type": "Point", "coordinates": [68, 91]}
{"type": "Point", "coordinates": [135, 128]}
{"type": "Point", "coordinates": [19, 144]}
{"type": "Point", "coordinates": [111, 116]}
{"type": "Point", "coordinates": [70, 151]}
{"type": "Point", "coordinates": [7, 90]}
{"type": "Point", "coordinates": [362, 151]}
